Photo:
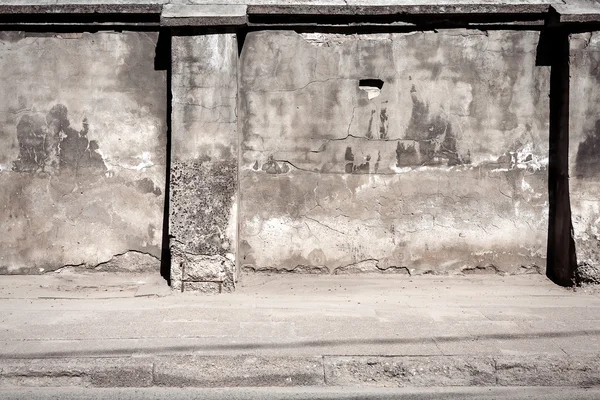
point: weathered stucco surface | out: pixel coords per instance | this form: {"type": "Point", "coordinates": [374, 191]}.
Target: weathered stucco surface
{"type": "Point", "coordinates": [443, 168]}
{"type": "Point", "coordinates": [584, 152]}
{"type": "Point", "coordinates": [82, 151]}
{"type": "Point", "coordinates": [204, 157]}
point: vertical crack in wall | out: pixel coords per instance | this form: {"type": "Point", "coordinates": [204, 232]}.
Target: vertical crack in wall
{"type": "Point", "coordinates": [561, 258]}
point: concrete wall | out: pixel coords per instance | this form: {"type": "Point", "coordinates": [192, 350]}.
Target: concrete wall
{"type": "Point", "coordinates": [204, 157]}
{"type": "Point", "coordinates": [390, 153]}
{"type": "Point", "coordinates": [443, 169]}
{"type": "Point", "coordinates": [82, 151]}
{"type": "Point", "coordinates": [584, 150]}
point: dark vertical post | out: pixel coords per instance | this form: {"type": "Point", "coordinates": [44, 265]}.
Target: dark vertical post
{"type": "Point", "coordinates": [561, 262]}
{"type": "Point", "coordinates": [163, 62]}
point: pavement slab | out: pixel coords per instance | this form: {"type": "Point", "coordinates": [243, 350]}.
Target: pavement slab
{"type": "Point", "coordinates": [321, 330]}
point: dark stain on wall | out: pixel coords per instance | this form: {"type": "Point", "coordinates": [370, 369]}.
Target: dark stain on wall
{"type": "Point", "coordinates": [12, 36]}
{"type": "Point", "coordinates": [587, 162]}
{"type": "Point", "coordinates": [433, 140]}
{"type": "Point", "coordinates": [352, 167]}
{"type": "Point", "coordinates": [363, 168]}
{"type": "Point", "coordinates": [406, 154]}
{"type": "Point", "coordinates": [383, 127]}
{"type": "Point", "coordinates": [418, 126]}
{"type": "Point", "coordinates": [147, 186]}
{"type": "Point", "coordinates": [378, 161]}
{"type": "Point", "coordinates": [273, 167]}
{"type": "Point", "coordinates": [369, 134]}
{"type": "Point", "coordinates": [52, 146]}
{"type": "Point", "coordinates": [348, 156]}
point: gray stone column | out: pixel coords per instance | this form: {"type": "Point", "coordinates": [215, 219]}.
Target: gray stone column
{"type": "Point", "coordinates": [203, 208]}
{"type": "Point", "coordinates": [584, 155]}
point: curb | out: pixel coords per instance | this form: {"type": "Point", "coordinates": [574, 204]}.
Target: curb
{"type": "Point", "coordinates": [351, 371]}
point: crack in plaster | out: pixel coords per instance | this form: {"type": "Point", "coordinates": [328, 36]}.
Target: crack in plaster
{"type": "Point", "coordinates": [322, 224]}
{"type": "Point", "coordinates": [298, 88]}
{"type": "Point", "coordinates": [100, 264]}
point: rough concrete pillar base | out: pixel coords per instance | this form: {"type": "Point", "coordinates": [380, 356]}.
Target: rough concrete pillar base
{"type": "Point", "coordinates": [201, 273]}
{"type": "Point", "coordinates": [203, 178]}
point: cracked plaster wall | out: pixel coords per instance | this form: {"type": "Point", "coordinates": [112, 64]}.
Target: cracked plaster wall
{"type": "Point", "coordinates": [204, 157]}
{"type": "Point", "coordinates": [82, 151]}
{"type": "Point", "coordinates": [584, 148]}
{"type": "Point", "coordinates": [445, 169]}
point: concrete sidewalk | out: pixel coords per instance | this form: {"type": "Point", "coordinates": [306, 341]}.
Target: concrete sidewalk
{"type": "Point", "coordinates": [130, 330]}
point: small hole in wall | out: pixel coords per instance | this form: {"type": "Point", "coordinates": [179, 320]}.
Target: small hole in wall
{"type": "Point", "coordinates": [371, 86]}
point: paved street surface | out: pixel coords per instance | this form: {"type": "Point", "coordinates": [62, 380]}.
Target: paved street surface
{"type": "Point", "coordinates": [66, 316]}
{"type": "Point", "coordinates": [385, 330]}
{"type": "Point", "coordinates": [528, 393]}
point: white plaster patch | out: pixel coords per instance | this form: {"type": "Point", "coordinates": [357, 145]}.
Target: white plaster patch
{"type": "Point", "coordinates": [231, 229]}
{"type": "Point", "coordinates": [526, 187]}
{"type": "Point", "coordinates": [372, 92]}
{"type": "Point", "coordinates": [145, 162]}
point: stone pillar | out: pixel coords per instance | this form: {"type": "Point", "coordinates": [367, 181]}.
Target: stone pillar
{"type": "Point", "coordinates": [584, 155]}
{"type": "Point", "coordinates": [561, 248]}
{"type": "Point", "coordinates": [203, 208]}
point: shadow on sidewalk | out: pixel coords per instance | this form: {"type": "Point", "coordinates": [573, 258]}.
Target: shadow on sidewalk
{"type": "Point", "coordinates": [297, 344]}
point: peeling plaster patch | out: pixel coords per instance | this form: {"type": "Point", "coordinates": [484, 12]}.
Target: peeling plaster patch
{"type": "Point", "coordinates": [332, 39]}
{"type": "Point", "coordinates": [202, 199]}
{"type": "Point", "coordinates": [481, 270]}
{"type": "Point", "coordinates": [299, 269]}
{"type": "Point", "coordinates": [371, 266]}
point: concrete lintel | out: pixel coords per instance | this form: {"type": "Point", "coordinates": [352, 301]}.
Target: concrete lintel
{"type": "Point", "coordinates": [232, 13]}
{"type": "Point", "coordinates": [81, 7]}
{"type": "Point", "coordinates": [405, 7]}
{"type": "Point", "coordinates": [579, 11]}
{"type": "Point", "coordinates": [204, 15]}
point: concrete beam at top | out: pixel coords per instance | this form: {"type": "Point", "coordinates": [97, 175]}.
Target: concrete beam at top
{"type": "Point", "coordinates": [578, 11]}
{"type": "Point", "coordinates": [82, 6]}
{"type": "Point", "coordinates": [384, 7]}
{"type": "Point", "coordinates": [238, 12]}
{"type": "Point", "coordinates": [204, 15]}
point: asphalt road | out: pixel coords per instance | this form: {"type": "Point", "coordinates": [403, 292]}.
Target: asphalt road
{"type": "Point", "coordinates": [511, 393]}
